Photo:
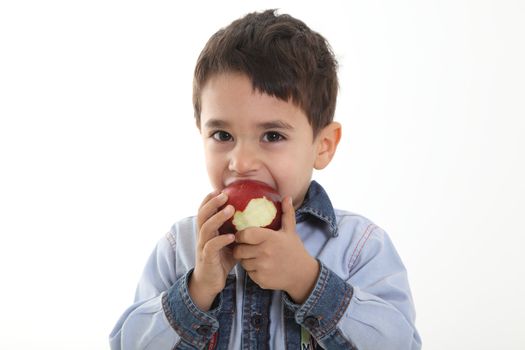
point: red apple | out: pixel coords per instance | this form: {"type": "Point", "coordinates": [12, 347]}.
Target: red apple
{"type": "Point", "coordinates": [256, 205]}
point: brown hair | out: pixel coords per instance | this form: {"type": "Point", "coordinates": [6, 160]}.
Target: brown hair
{"type": "Point", "coordinates": [282, 57]}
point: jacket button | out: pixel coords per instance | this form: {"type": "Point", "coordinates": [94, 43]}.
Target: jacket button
{"type": "Point", "coordinates": [257, 321]}
{"type": "Point", "coordinates": [203, 330]}
{"type": "Point", "coordinates": [311, 322]}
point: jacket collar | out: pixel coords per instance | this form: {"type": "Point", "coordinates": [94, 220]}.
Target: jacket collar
{"type": "Point", "coordinates": [317, 204]}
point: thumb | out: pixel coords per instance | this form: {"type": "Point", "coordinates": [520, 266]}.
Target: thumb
{"type": "Point", "coordinates": [288, 217]}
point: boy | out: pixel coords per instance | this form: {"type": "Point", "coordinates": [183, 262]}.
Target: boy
{"type": "Point", "coordinates": [264, 98]}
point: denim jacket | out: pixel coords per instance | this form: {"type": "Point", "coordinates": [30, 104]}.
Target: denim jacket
{"type": "Point", "coordinates": [361, 299]}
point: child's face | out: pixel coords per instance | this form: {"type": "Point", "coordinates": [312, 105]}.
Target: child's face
{"type": "Point", "coordinates": [250, 135]}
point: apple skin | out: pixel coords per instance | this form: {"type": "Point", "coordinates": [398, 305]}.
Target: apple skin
{"type": "Point", "coordinates": [266, 205]}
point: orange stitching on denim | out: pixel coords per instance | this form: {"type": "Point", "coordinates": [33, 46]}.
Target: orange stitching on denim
{"type": "Point", "coordinates": [324, 279]}
{"type": "Point", "coordinates": [339, 313]}
{"type": "Point", "coordinates": [181, 331]}
{"type": "Point", "coordinates": [365, 236]}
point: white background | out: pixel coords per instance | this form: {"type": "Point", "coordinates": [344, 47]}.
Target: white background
{"type": "Point", "coordinates": [99, 154]}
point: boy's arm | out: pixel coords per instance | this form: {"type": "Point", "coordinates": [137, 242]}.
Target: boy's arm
{"type": "Point", "coordinates": [163, 314]}
{"type": "Point", "coordinates": [166, 310]}
{"type": "Point", "coordinates": [373, 309]}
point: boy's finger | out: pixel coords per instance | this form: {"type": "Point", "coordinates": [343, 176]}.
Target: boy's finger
{"type": "Point", "coordinates": [288, 218]}
{"type": "Point", "coordinates": [217, 243]}
{"type": "Point", "coordinates": [210, 227]}
{"type": "Point", "coordinates": [208, 197]}
{"type": "Point", "coordinates": [210, 205]}
{"type": "Point", "coordinates": [252, 235]}
{"type": "Point", "coordinates": [244, 251]}
{"type": "Point", "coordinates": [249, 265]}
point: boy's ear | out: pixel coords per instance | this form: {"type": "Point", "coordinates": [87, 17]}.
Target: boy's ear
{"type": "Point", "coordinates": [327, 141]}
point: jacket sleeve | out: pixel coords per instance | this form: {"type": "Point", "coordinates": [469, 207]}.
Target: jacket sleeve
{"type": "Point", "coordinates": [163, 315]}
{"type": "Point", "coordinates": [370, 309]}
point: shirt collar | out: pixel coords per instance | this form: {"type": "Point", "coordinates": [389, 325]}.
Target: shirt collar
{"type": "Point", "coordinates": [316, 204]}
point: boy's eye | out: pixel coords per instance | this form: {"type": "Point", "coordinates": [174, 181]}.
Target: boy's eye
{"type": "Point", "coordinates": [272, 136]}
{"type": "Point", "coordinates": [221, 136]}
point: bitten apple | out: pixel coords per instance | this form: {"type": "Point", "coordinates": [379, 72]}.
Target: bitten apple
{"type": "Point", "coordinates": [256, 205]}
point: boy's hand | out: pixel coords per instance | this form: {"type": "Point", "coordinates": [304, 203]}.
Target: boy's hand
{"type": "Point", "coordinates": [278, 259]}
{"type": "Point", "coordinates": [214, 259]}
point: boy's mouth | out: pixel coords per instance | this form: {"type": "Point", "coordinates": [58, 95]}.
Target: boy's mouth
{"type": "Point", "coordinates": [229, 182]}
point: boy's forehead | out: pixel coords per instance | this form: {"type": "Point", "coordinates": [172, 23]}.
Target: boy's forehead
{"type": "Point", "coordinates": [230, 98]}
{"type": "Point", "coordinates": [231, 88]}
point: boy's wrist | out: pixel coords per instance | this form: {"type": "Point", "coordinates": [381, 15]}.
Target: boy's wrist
{"type": "Point", "coordinates": [305, 283]}
{"type": "Point", "coordinates": [201, 296]}
{"type": "Point", "coordinates": [193, 325]}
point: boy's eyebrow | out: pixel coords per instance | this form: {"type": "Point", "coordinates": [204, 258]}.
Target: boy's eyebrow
{"type": "Point", "coordinates": [274, 124]}
{"type": "Point", "coordinates": [216, 123]}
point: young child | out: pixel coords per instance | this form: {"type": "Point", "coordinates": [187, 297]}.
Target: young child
{"type": "Point", "coordinates": [264, 97]}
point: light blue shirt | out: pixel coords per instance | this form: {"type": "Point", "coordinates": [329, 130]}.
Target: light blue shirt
{"type": "Point", "coordinates": [361, 299]}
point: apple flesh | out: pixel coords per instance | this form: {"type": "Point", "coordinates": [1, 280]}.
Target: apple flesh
{"type": "Point", "coordinates": [256, 205]}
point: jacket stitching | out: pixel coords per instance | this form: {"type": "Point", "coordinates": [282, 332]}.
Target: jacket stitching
{"type": "Point", "coordinates": [363, 239]}
{"type": "Point", "coordinates": [338, 314]}
{"type": "Point", "coordinates": [327, 219]}
{"type": "Point", "coordinates": [183, 334]}
{"type": "Point", "coordinates": [171, 240]}
{"type": "Point", "coordinates": [195, 311]}
{"type": "Point", "coordinates": [324, 278]}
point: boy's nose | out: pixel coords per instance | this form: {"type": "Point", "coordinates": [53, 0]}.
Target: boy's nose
{"type": "Point", "coordinates": [243, 159]}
